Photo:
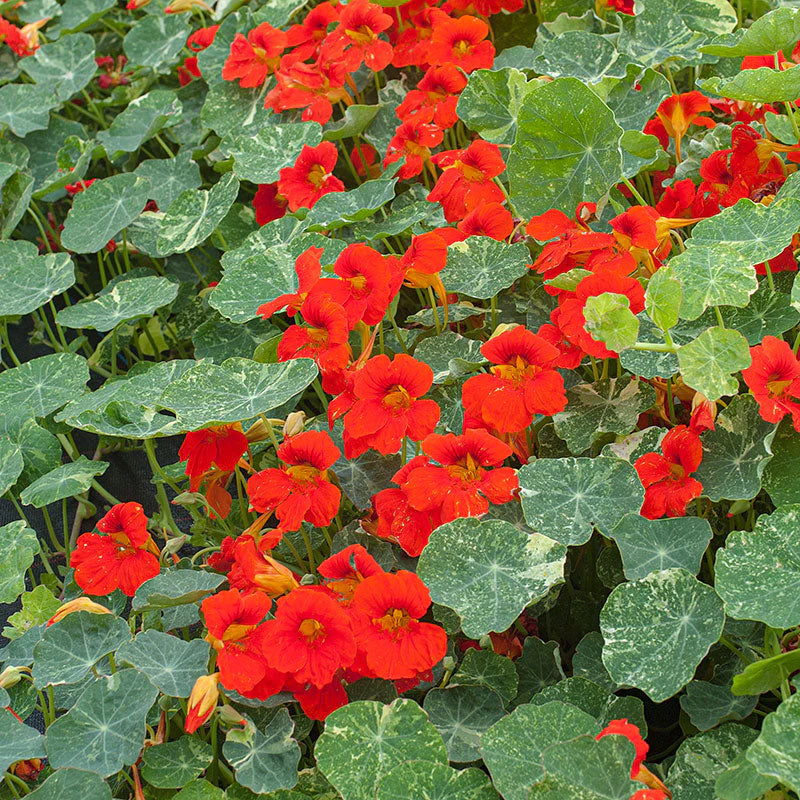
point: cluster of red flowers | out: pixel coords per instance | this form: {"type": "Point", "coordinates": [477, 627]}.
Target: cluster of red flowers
{"type": "Point", "coordinates": [360, 622]}
{"type": "Point", "coordinates": [22, 41]}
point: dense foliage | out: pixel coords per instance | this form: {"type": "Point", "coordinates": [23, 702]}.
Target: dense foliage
{"type": "Point", "coordinates": [477, 324]}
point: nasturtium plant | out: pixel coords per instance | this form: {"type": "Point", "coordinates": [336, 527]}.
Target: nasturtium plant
{"type": "Point", "coordinates": [399, 400]}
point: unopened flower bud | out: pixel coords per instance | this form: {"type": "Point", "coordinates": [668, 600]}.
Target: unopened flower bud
{"type": "Point", "coordinates": [188, 499]}
{"type": "Point", "coordinates": [11, 676]}
{"type": "Point", "coordinates": [78, 604]}
{"type": "Point", "coordinates": [449, 663]}
{"type": "Point", "coordinates": [202, 701]}
{"type": "Point", "coordinates": [503, 327]}
{"type": "Point", "coordinates": [294, 423]}
{"type": "Point", "coordinates": [174, 545]}
{"type": "Point", "coordinates": [228, 715]}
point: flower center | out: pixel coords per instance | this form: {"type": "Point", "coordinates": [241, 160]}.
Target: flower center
{"type": "Point", "coordinates": [677, 472]}
{"type": "Point", "coordinates": [311, 629]}
{"type": "Point", "coordinates": [468, 470]}
{"type": "Point", "coordinates": [362, 35]}
{"type": "Point", "coordinates": [304, 473]}
{"type": "Point", "coordinates": [316, 175]}
{"type": "Point", "coordinates": [472, 174]}
{"type": "Point", "coordinates": [397, 398]}
{"type": "Point", "coordinates": [393, 620]}
{"type": "Point", "coordinates": [777, 387]}
{"type": "Point", "coordinates": [461, 47]}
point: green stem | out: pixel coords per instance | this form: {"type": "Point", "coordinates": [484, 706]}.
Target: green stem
{"type": "Point", "coordinates": [161, 494]}
{"type": "Point", "coordinates": [635, 192]}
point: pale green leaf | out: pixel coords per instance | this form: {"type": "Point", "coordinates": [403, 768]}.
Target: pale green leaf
{"type": "Point", "coordinates": [68, 480]}
{"type": "Point", "coordinates": [29, 280]}
{"type": "Point", "coordinates": [708, 363]}
{"type": "Point", "coordinates": [481, 266]}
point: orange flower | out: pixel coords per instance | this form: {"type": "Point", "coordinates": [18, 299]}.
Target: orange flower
{"type": "Point", "coordinates": [316, 702]}
{"type": "Point", "coordinates": [220, 445]}
{"type": "Point", "coordinates": [236, 633]}
{"type": "Point", "coordinates": [16, 39]}
{"type": "Point", "coordinates": [310, 178]}
{"type": "Point", "coordinates": [676, 114]}
{"type": "Point", "coordinates": [251, 59]}
{"type": "Point", "coordinates": [268, 203]}
{"type": "Point", "coordinates": [300, 489]}
{"type": "Point", "coordinates": [78, 604]}
{"type": "Point", "coordinates": [461, 42]}
{"type": "Point", "coordinates": [359, 25]}
{"type": "Point", "coordinates": [464, 484]}
{"type": "Point", "coordinates": [489, 219]}
{"type": "Point", "coordinates": [202, 701]}
{"type": "Point", "coordinates": [385, 611]}
{"type": "Point", "coordinates": [667, 485]}
{"type": "Point", "coordinates": [439, 89]}
{"type": "Point", "coordinates": [308, 268]}
{"type": "Point", "coordinates": [346, 569]}
{"type": "Point", "coordinates": [413, 141]}
{"type": "Point", "coordinates": [364, 288]}
{"type": "Point", "coordinates": [122, 556]}
{"type": "Point", "coordinates": [389, 407]}
{"type": "Point", "coordinates": [310, 638]}
{"type": "Point", "coordinates": [253, 569]}
{"type": "Point", "coordinates": [523, 383]}
{"type": "Point", "coordinates": [774, 380]}
{"type": "Point", "coordinates": [306, 37]}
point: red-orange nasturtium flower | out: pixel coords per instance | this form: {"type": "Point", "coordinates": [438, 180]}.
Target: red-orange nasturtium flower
{"type": "Point", "coordinates": [122, 556]}
{"type": "Point", "coordinates": [774, 379]}
{"type": "Point", "coordinates": [461, 42]}
{"type": "Point", "coordinates": [665, 476]}
{"type": "Point", "coordinates": [523, 382]}
{"type": "Point", "coordinates": [467, 177]}
{"type": "Point", "coordinates": [254, 569]}
{"type": "Point", "coordinates": [674, 116]}
{"type": "Point", "coordinates": [413, 141]}
{"type": "Point", "coordinates": [78, 604]}
{"type": "Point", "coordinates": [468, 479]}
{"type": "Point", "coordinates": [308, 268]}
{"type": "Point", "coordinates": [388, 405]}
{"type": "Point", "coordinates": [236, 632]}
{"type": "Point", "coordinates": [299, 490]}
{"type": "Point", "coordinates": [438, 89]}
{"type": "Point", "coordinates": [345, 570]}
{"type": "Point", "coordinates": [621, 727]}
{"type": "Point", "coordinates": [488, 219]}
{"type": "Point", "coordinates": [364, 288]}
{"type": "Point", "coordinates": [311, 637]}
{"type": "Point", "coordinates": [393, 642]}
{"type": "Point", "coordinates": [202, 701]}
{"type": "Point", "coordinates": [254, 57]}
{"type": "Point", "coordinates": [360, 24]}
{"type": "Point", "coordinates": [219, 445]}
{"type": "Point", "coordinates": [268, 203]}
{"type": "Point", "coordinates": [305, 37]}
{"type": "Point", "coordinates": [310, 178]}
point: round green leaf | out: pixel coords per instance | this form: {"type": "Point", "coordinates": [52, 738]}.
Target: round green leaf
{"type": "Point", "coordinates": [169, 177]}
{"type": "Point", "coordinates": [25, 107]}
{"type": "Point", "coordinates": [20, 546]}
{"type": "Point", "coordinates": [425, 780]}
{"type": "Point", "coordinates": [781, 477]}
{"type": "Point", "coordinates": [768, 34]}
{"type": "Point", "coordinates": [156, 40]}
{"type": "Point", "coordinates": [68, 480]}
{"type": "Point", "coordinates": [171, 664]}
{"type": "Point", "coordinates": [124, 300]}
{"type": "Point", "coordinates": [339, 209]}
{"type": "Point", "coordinates": [72, 784]}
{"type": "Point", "coordinates": [102, 210]}
{"type": "Point", "coordinates": [708, 704]}
{"type": "Point", "coordinates": [64, 66]}
{"type": "Point", "coordinates": [658, 629]}
{"type": "Point", "coordinates": [512, 748]}
{"type": "Point", "coordinates": [140, 121]}
{"type": "Point", "coordinates": [229, 109]}
{"type": "Point", "coordinates": [587, 661]}
{"type": "Point", "coordinates": [566, 498]}
{"type": "Point", "coordinates": [235, 390]}
{"type": "Point", "coordinates": [610, 320]}
{"type": "Point", "coordinates": [762, 85]}
{"type": "Point", "coordinates": [758, 573]}
{"type": "Point", "coordinates": [663, 298]}
{"type": "Point", "coordinates": [736, 452]}
{"type": "Point", "coordinates": [538, 666]}
{"type": "Point", "coordinates": [38, 606]}
{"type": "Point", "coordinates": [17, 741]}
{"type": "Point", "coordinates": [172, 765]}
{"type": "Point", "coordinates": [450, 356]}
{"type": "Point", "coordinates": [488, 571]}
{"type": "Point", "coordinates": [586, 56]}
{"type": "Point", "coordinates": [365, 740]}
{"type": "Point", "coordinates": [711, 275]}
{"type": "Point", "coordinates": [194, 214]}
{"type": "Point", "coordinates": [29, 280]}
{"type": "Point", "coordinates": [607, 406]}
{"type": "Point", "coordinates": [587, 768]}
{"type": "Point", "coordinates": [776, 751]}
{"type": "Point", "coordinates": [487, 668]}
{"type": "Point", "coordinates": [44, 384]}
{"type": "Point", "coordinates": [260, 157]}
{"type": "Point", "coordinates": [461, 714]}
{"type": "Point", "coordinates": [356, 119]}
{"type": "Point", "coordinates": [566, 150]}
{"type": "Point", "coordinates": [707, 364]}
{"type": "Point", "coordinates": [104, 730]}
{"type": "Point", "coordinates": [79, 14]}
{"type": "Point", "coordinates": [481, 267]}
{"type": "Point", "coordinates": [175, 587]}
{"type": "Point", "coordinates": [71, 647]}
{"type": "Point", "coordinates": [650, 545]}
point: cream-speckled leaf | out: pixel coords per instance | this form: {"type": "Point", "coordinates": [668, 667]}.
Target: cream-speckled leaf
{"type": "Point", "coordinates": [781, 478]}
{"type": "Point", "coordinates": [586, 56]}
{"type": "Point", "coordinates": [566, 149]}
{"type": "Point", "coordinates": [736, 452]}
{"type": "Point", "coordinates": [229, 109]}
{"type": "Point", "coordinates": [104, 730]}
{"type": "Point", "coordinates": [713, 275]}
{"type": "Point", "coordinates": [776, 751]}
{"type": "Point", "coordinates": [235, 390]}
{"type": "Point", "coordinates": [72, 646]}
{"type": "Point", "coordinates": [64, 66]}
{"type": "Point", "coordinates": [657, 630]}
{"type": "Point", "coordinates": [774, 31]}
{"type": "Point", "coordinates": [29, 280]}
{"type": "Point", "coordinates": [17, 741]}
{"type": "Point", "coordinates": [20, 546]}
{"type": "Point", "coordinates": [141, 120]}
{"type": "Point", "coordinates": [462, 714]}
{"type": "Point", "coordinates": [566, 498]}
{"type": "Point", "coordinates": [25, 107]}
{"type": "Point", "coordinates": [709, 362]}
{"type": "Point", "coordinates": [481, 266]}
{"type": "Point", "coordinates": [194, 214]}
{"type": "Point", "coordinates": [169, 177]}
{"type": "Point", "coordinates": [487, 668]}
{"type": "Point", "coordinates": [72, 784]}
{"type": "Point", "coordinates": [68, 480]}
{"type": "Point", "coordinates": [758, 572]}
{"type": "Point", "coordinates": [424, 780]}
{"type": "Point", "coordinates": [708, 704]}
{"type": "Point", "coordinates": [171, 664]}
{"type": "Point", "coordinates": [260, 156]}
{"type": "Point", "coordinates": [761, 85]}
{"type": "Point", "coordinates": [488, 571]}
{"type": "Point", "coordinates": [102, 210]}
{"type": "Point", "coordinates": [44, 384]}
{"type": "Point", "coordinates": [587, 769]}
{"type": "Point", "coordinates": [607, 406]}
{"type": "Point", "coordinates": [171, 765]}
{"type": "Point", "coordinates": [365, 740]}
{"type": "Point", "coordinates": [156, 39]}
{"type": "Point", "coordinates": [122, 301]}
{"type": "Point", "coordinates": [512, 748]}
{"type": "Point", "coordinates": [175, 587]}
{"type": "Point", "coordinates": [650, 545]}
